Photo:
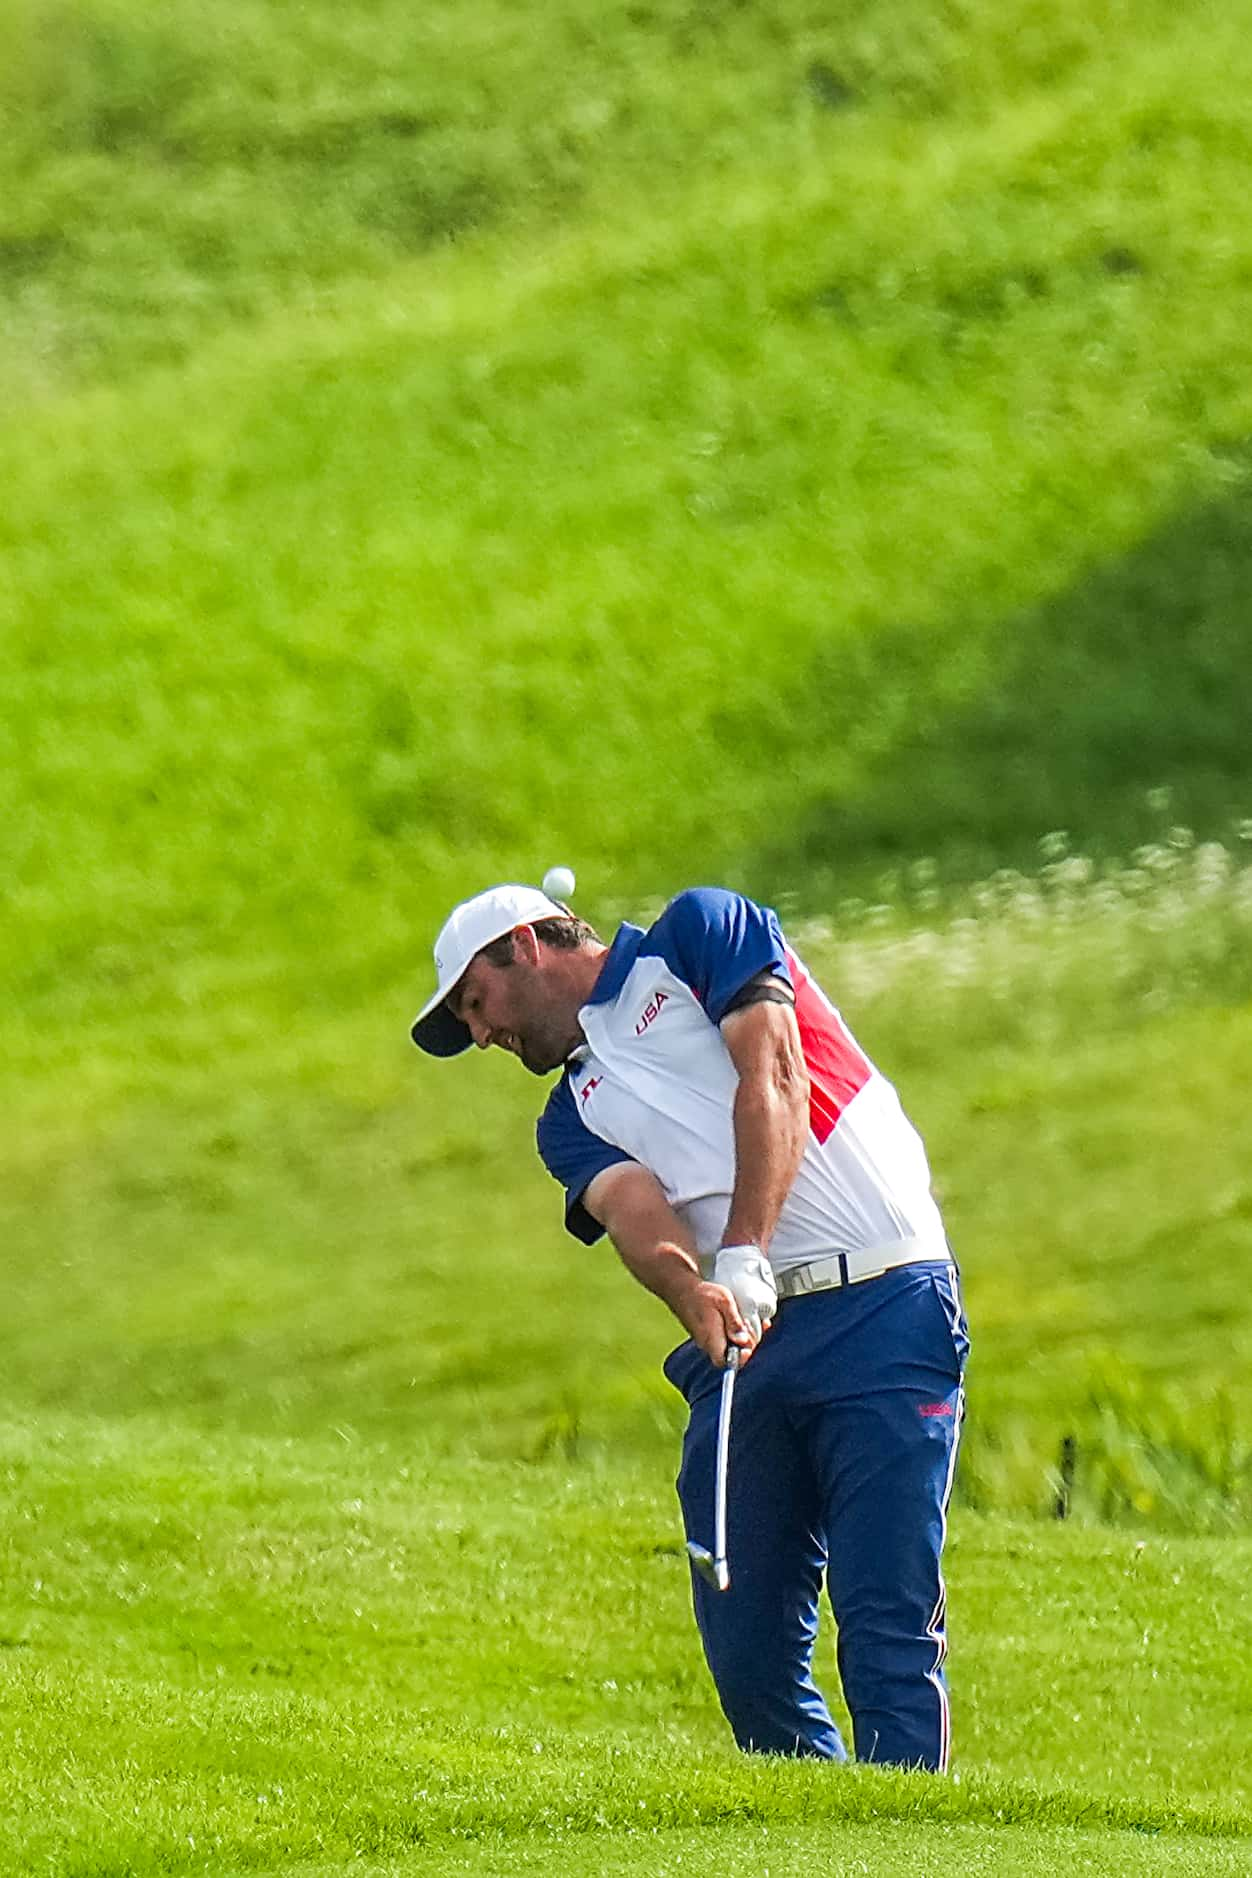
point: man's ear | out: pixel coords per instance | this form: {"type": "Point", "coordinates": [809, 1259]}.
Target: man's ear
{"type": "Point", "coordinates": [526, 947]}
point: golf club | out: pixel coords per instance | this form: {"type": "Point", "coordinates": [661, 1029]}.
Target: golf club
{"type": "Point", "coordinates": [712, 1566]}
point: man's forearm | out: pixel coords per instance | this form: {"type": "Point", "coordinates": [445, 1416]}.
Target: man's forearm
{"type": "Point", "coordinates": [653, 1243]}
{"type": "Point", "coordinates": [669, 1271]}
{"type": "Point", "coordinates": [771, 1126]}
{"type": "Point", "coordinates": [659, 1251]}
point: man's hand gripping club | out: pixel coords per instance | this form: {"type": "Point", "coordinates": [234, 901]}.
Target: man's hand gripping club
{"type": "Point", "coordinates": [735, 1306]}
{"type": "Point", "coordinates": [748, 1276]}
{"type": "Point", "coordinates": [710, 1314]}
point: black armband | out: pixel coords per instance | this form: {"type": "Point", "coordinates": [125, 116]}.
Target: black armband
{"type": "Point", "coordinates": [765, 988]}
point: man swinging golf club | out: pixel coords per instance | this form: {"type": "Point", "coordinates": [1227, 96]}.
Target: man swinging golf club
{"type": "Point", "coordinates": [757, 1173]}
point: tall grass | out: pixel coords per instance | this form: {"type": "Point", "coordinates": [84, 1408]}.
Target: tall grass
{"type": "Point", "coordinates": [1042, 958]}
{"type": "Point", "coordinates": [1001, 982]}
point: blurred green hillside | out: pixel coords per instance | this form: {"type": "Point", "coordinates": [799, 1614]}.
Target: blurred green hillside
{"type": "Point", "coordinates": [776, 445]}
{"type": "Point", "coordinates": [684, 439]}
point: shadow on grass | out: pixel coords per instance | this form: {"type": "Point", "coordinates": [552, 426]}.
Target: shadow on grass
{"type": "Point", "coordinates": [1127, 696]}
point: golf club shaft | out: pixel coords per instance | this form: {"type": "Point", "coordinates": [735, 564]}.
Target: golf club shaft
{"type": "Point", "coordinates": [723, 1459]}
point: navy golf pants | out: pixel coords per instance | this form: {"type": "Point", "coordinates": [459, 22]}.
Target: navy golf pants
{"type": "Point", "coordinates": [842, 1451]}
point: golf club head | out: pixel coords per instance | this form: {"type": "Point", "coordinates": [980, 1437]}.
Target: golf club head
{"type": "Point", "coordinates": [714, 1571]}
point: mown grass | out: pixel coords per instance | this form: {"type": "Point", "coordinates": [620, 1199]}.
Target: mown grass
{"type": "Point", "coordinates": [227, 1654]}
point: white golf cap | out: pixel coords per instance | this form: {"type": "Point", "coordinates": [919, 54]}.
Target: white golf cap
{"type": "Point", "coordinates": [468, 928]}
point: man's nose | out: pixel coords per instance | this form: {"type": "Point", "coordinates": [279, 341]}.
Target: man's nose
{"type": "Point", "coordinates": [480, 1032]}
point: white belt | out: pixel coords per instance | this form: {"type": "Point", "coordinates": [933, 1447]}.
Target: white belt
{"type": "Point", "coordinates": [853, 1268]}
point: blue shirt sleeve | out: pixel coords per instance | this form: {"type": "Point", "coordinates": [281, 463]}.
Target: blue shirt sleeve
{"type": "Point", "coordinates": [715, 941]}
{"type": "Point", "coordinates": [573, 1156]}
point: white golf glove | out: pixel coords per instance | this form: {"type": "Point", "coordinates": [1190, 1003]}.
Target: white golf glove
{"type": "Point", "coordinates": [747, 1275]}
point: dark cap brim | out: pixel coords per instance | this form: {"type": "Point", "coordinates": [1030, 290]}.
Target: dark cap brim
{"type": "Point", "coordinates": [439, 1033]}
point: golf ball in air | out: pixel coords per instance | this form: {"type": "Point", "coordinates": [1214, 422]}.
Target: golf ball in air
{"type": "Point", "coordinates": [558, 883]}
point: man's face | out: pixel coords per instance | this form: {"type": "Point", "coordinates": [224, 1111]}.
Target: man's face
{"type": "Point", "coordinates": [517, 1007]}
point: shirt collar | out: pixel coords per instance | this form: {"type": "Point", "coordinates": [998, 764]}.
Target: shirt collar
{"type": "Point", "coordinates": [621, 956]}
{"type": "Point", "coordinates": [618, 960]}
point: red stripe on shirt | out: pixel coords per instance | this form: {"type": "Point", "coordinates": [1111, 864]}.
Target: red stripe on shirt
{"type": "Point", "coordinates": [836, 1067]}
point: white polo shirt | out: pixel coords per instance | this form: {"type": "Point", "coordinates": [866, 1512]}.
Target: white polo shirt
{"type": "Point", "coordinates": [656, 1084]}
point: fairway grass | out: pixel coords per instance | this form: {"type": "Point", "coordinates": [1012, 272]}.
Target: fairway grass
{"type": "Point", "coordinates": [225, 1654]}
{"type": "Point", "coordinates": [935, 1850]}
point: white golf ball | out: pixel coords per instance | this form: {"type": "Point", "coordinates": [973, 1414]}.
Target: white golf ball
{"type": "Point", "coordinates": [558, 883]}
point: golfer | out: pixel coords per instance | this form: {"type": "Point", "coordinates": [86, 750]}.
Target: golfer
{"type": "Point", "coordinates": [754, 1170]}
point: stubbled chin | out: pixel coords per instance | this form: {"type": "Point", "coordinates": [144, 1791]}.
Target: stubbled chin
{"type": "Point", "coordinates": [539, 1066]}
